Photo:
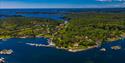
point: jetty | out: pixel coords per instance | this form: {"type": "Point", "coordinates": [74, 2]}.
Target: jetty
{"type": "Point", "coordinates": [38, 45]}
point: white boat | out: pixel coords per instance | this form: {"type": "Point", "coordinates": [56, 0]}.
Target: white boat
{"type": "Point", "coordinates": [103, 49]}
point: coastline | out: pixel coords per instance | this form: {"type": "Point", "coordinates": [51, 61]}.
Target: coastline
{"type": "Point", "coordinates": [51, 44]}
{"type": "Point", "coordinates": [74, 50]}
{"type": "Point", "coordinates": [77, 50]}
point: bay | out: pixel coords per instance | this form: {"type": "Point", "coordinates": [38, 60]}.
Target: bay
{"type": "Point", "coordinates": [24, 53]}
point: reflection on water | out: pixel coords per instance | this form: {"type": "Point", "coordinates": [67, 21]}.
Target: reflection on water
{"type": "Point", "coordinates": [29, 54]}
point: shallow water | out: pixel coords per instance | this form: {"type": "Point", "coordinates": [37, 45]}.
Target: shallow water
{"type": "Point", "coordinates": [30, 54]}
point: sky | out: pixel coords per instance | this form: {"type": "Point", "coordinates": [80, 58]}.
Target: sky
{"type": "Point", "coordinates": [62, 3]}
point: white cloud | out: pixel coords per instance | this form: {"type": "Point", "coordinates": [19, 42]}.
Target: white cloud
{"type": "Point", "coordinates": [111, 0]}
{"type": "Point", "coordinates": [104, 0]}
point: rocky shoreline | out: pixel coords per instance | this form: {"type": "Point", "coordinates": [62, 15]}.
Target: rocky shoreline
{"type": "Point", "coordinates": [6, 51]}
{"type": "Point", "coordinates": [51, 44]}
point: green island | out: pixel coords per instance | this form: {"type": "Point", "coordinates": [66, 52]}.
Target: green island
{"type": "Point", "coordinates": [82, 31]}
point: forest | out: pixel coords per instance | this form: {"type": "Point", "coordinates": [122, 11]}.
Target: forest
{"type": "Point", "coordinates": [82, 31]}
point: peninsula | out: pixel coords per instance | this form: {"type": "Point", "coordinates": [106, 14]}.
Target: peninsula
{"type": "Point", "coordinates": [78, 31]}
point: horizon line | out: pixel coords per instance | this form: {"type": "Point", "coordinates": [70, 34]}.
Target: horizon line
{"type": "Point", "coordinates": [64, 8]}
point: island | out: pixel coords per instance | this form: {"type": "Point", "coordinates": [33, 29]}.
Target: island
{"type": "Point", "coordinates": [77, 32]}
{"type": "Point", "coordinates": [7, 52]}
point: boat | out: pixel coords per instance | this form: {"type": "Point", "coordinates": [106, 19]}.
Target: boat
{"type": "Point", "coordinates": [103, 49]}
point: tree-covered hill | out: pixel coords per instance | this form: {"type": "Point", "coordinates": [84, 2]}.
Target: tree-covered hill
{"type": "Point", "coordinates": [90, 29]}
{"type": "Point", "coordinates": [83, 30]}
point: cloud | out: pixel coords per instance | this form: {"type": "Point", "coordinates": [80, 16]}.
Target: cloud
{"type": "Point", "coordinates": [110, 0]}
{"type": "Point", "coordinates": [104, 0]}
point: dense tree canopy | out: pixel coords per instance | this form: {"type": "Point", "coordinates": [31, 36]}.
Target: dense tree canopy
{"type": "Point", "coordinates": [82, 31]}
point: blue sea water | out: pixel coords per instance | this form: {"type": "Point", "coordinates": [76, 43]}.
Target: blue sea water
{"type": "Point", "coordinates": [24, 53]}
{"type": "Point", "coordinates": [12, 12]}
{"type": "Point", "coordinates": [4, 13]}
